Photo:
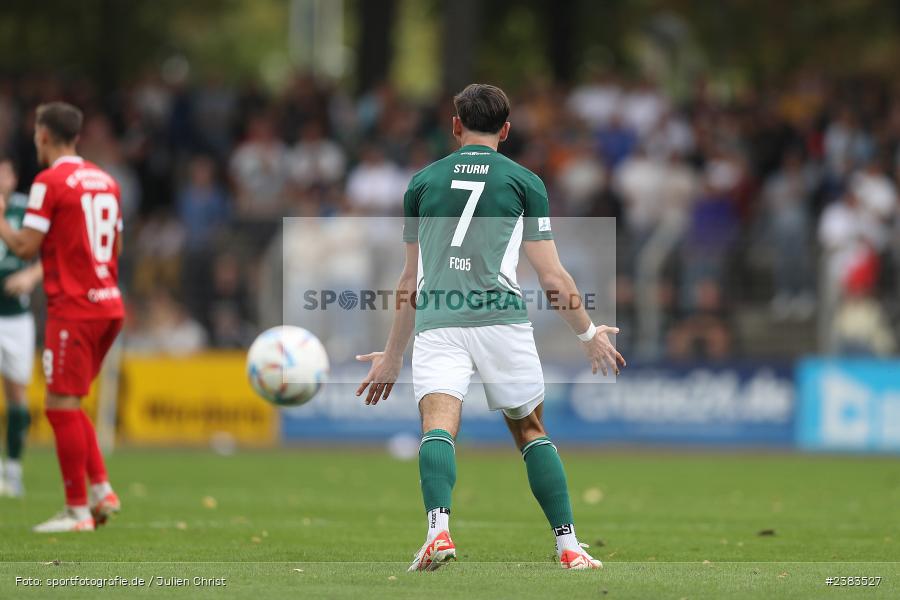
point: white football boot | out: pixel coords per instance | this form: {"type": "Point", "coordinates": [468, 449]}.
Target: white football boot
{"type": "Point", "coordinates": [578, 559]}
{"type": "Point", "coordinates": [65, 521]}
{"type": "Point", "coordinates": [434, 553]}
{"type": "Point", "coordinates": [102, 508]}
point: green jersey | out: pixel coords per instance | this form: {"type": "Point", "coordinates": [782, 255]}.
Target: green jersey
{"type": "Point", "coordinates": [470, 212]}
{"type": "Point", "coordinates": [9, 262]}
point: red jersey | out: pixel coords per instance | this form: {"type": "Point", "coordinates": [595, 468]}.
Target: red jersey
{"type": "Point", "coordinates": [77, 206]}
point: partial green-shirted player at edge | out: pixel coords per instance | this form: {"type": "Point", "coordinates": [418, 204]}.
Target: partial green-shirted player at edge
{"type": "Point", "coordinates": [18, 279]}
{"type": "Point", "coordinates": [467, 216]}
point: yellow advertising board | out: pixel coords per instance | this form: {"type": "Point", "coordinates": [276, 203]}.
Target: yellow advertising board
{"type": "Point", "coordinates": [176, 401]}
{"type": "Point", "coordinates": [40, 431]}
{"type": "Point", "coordinates": [173, 400]}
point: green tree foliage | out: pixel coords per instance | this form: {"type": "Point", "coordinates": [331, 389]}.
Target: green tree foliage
{"type": "Point", "coordinates": [749, 40]}
{"type": "Point", "coordinates": [110, 40]}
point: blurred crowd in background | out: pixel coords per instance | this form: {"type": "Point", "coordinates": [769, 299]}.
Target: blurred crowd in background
{"type": "Point", "coordinates": [758, 225]}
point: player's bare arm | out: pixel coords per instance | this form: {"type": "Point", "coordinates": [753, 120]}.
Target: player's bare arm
{"type": "Point", "coordinates": [554, 278]}
{"type": "Point", "coordinates": [386, 365]}
{"type": "Point", "coordinates": [22, 283]}
{"type": "Point", "coordinates": [24, 243]}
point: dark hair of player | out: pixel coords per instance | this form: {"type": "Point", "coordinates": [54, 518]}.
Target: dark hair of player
{"type": "Point", "coordinates": [61, 119]}
{"type": "Point", "coordinates": [481, 107]}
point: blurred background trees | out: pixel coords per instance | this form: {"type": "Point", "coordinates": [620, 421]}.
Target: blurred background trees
{"type": "Point", "coordinates": [432, 44]}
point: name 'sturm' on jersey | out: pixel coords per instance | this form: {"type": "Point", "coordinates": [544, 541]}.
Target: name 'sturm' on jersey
{"type": "Point", "coordinates": [472, 169]}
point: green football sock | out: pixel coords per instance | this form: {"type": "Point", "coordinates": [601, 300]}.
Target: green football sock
{"type": "Point", "coordinates": [548, 480]}
{"type": "Point", "coordinates": [17, 422]}
{"type": "Point", "coordinates": [437, 468]}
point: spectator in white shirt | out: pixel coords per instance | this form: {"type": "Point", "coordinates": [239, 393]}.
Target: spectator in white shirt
{"type": "Point", "coordinates": [596, 102]}
{"type": "Point", "coordinates": [376, 186]}
{"type": "Point", "coordinates": [315, 160]}
{"type": "Point", "coordinates": [259, 172]}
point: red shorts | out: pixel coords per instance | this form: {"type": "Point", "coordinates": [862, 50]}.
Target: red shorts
{"type": "Point", "coordinates": [74, 352]}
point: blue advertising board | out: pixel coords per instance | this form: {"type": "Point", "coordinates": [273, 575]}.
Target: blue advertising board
{"type": "Point", "coordinates": [849, 405]}
{"type": "Point", "coordinates": [738, 404]}
{"type": "Point", "coordinates": [734, 404]}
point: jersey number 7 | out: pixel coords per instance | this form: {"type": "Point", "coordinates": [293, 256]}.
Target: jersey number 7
{"type": "Point", "coordinates": [465, 219]}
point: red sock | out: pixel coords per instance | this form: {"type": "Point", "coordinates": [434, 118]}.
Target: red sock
{"type": "Point", "coordinates": [96, 469]}
{"type": "Point", "coordinates": [71, 451]}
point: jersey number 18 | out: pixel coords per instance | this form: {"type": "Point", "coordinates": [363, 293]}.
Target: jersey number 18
{"type": "Point", "coordinates": [101, 213]}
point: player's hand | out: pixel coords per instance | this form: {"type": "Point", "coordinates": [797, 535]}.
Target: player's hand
{"type": "Point", "coordinates": [381, 377]}
{"type": "Point", "coordinates": [20, 283]}
{"type": "Point", "coordinates": [2, 204]}
{"type": "Point", "coordinates": [602, 353]}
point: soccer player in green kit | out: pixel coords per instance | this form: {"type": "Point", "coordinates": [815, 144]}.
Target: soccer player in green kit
{"type": "Point", "coordinates": [17, 280]}
{"type": "Point", "coordinates": [466, 218]}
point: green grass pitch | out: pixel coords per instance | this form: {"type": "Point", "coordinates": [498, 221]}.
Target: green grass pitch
{"type": "Point", "coordinates": [326, 523]}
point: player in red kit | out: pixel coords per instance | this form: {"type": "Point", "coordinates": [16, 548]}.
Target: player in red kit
{"type": "Point", "coordinates": [73, 219]}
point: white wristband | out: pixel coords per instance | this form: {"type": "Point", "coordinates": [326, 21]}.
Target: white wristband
{"type": "Point", "coordinates": [589, 334]}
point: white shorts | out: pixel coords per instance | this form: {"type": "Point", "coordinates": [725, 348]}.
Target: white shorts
{"type": "Point", "coordinates": [505, 357]}
{"type": "Point", "coordinates": [17, 347]}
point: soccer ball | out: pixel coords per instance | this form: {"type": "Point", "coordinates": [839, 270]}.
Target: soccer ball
{"type": "Point", "coordinates": [287, 365]}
